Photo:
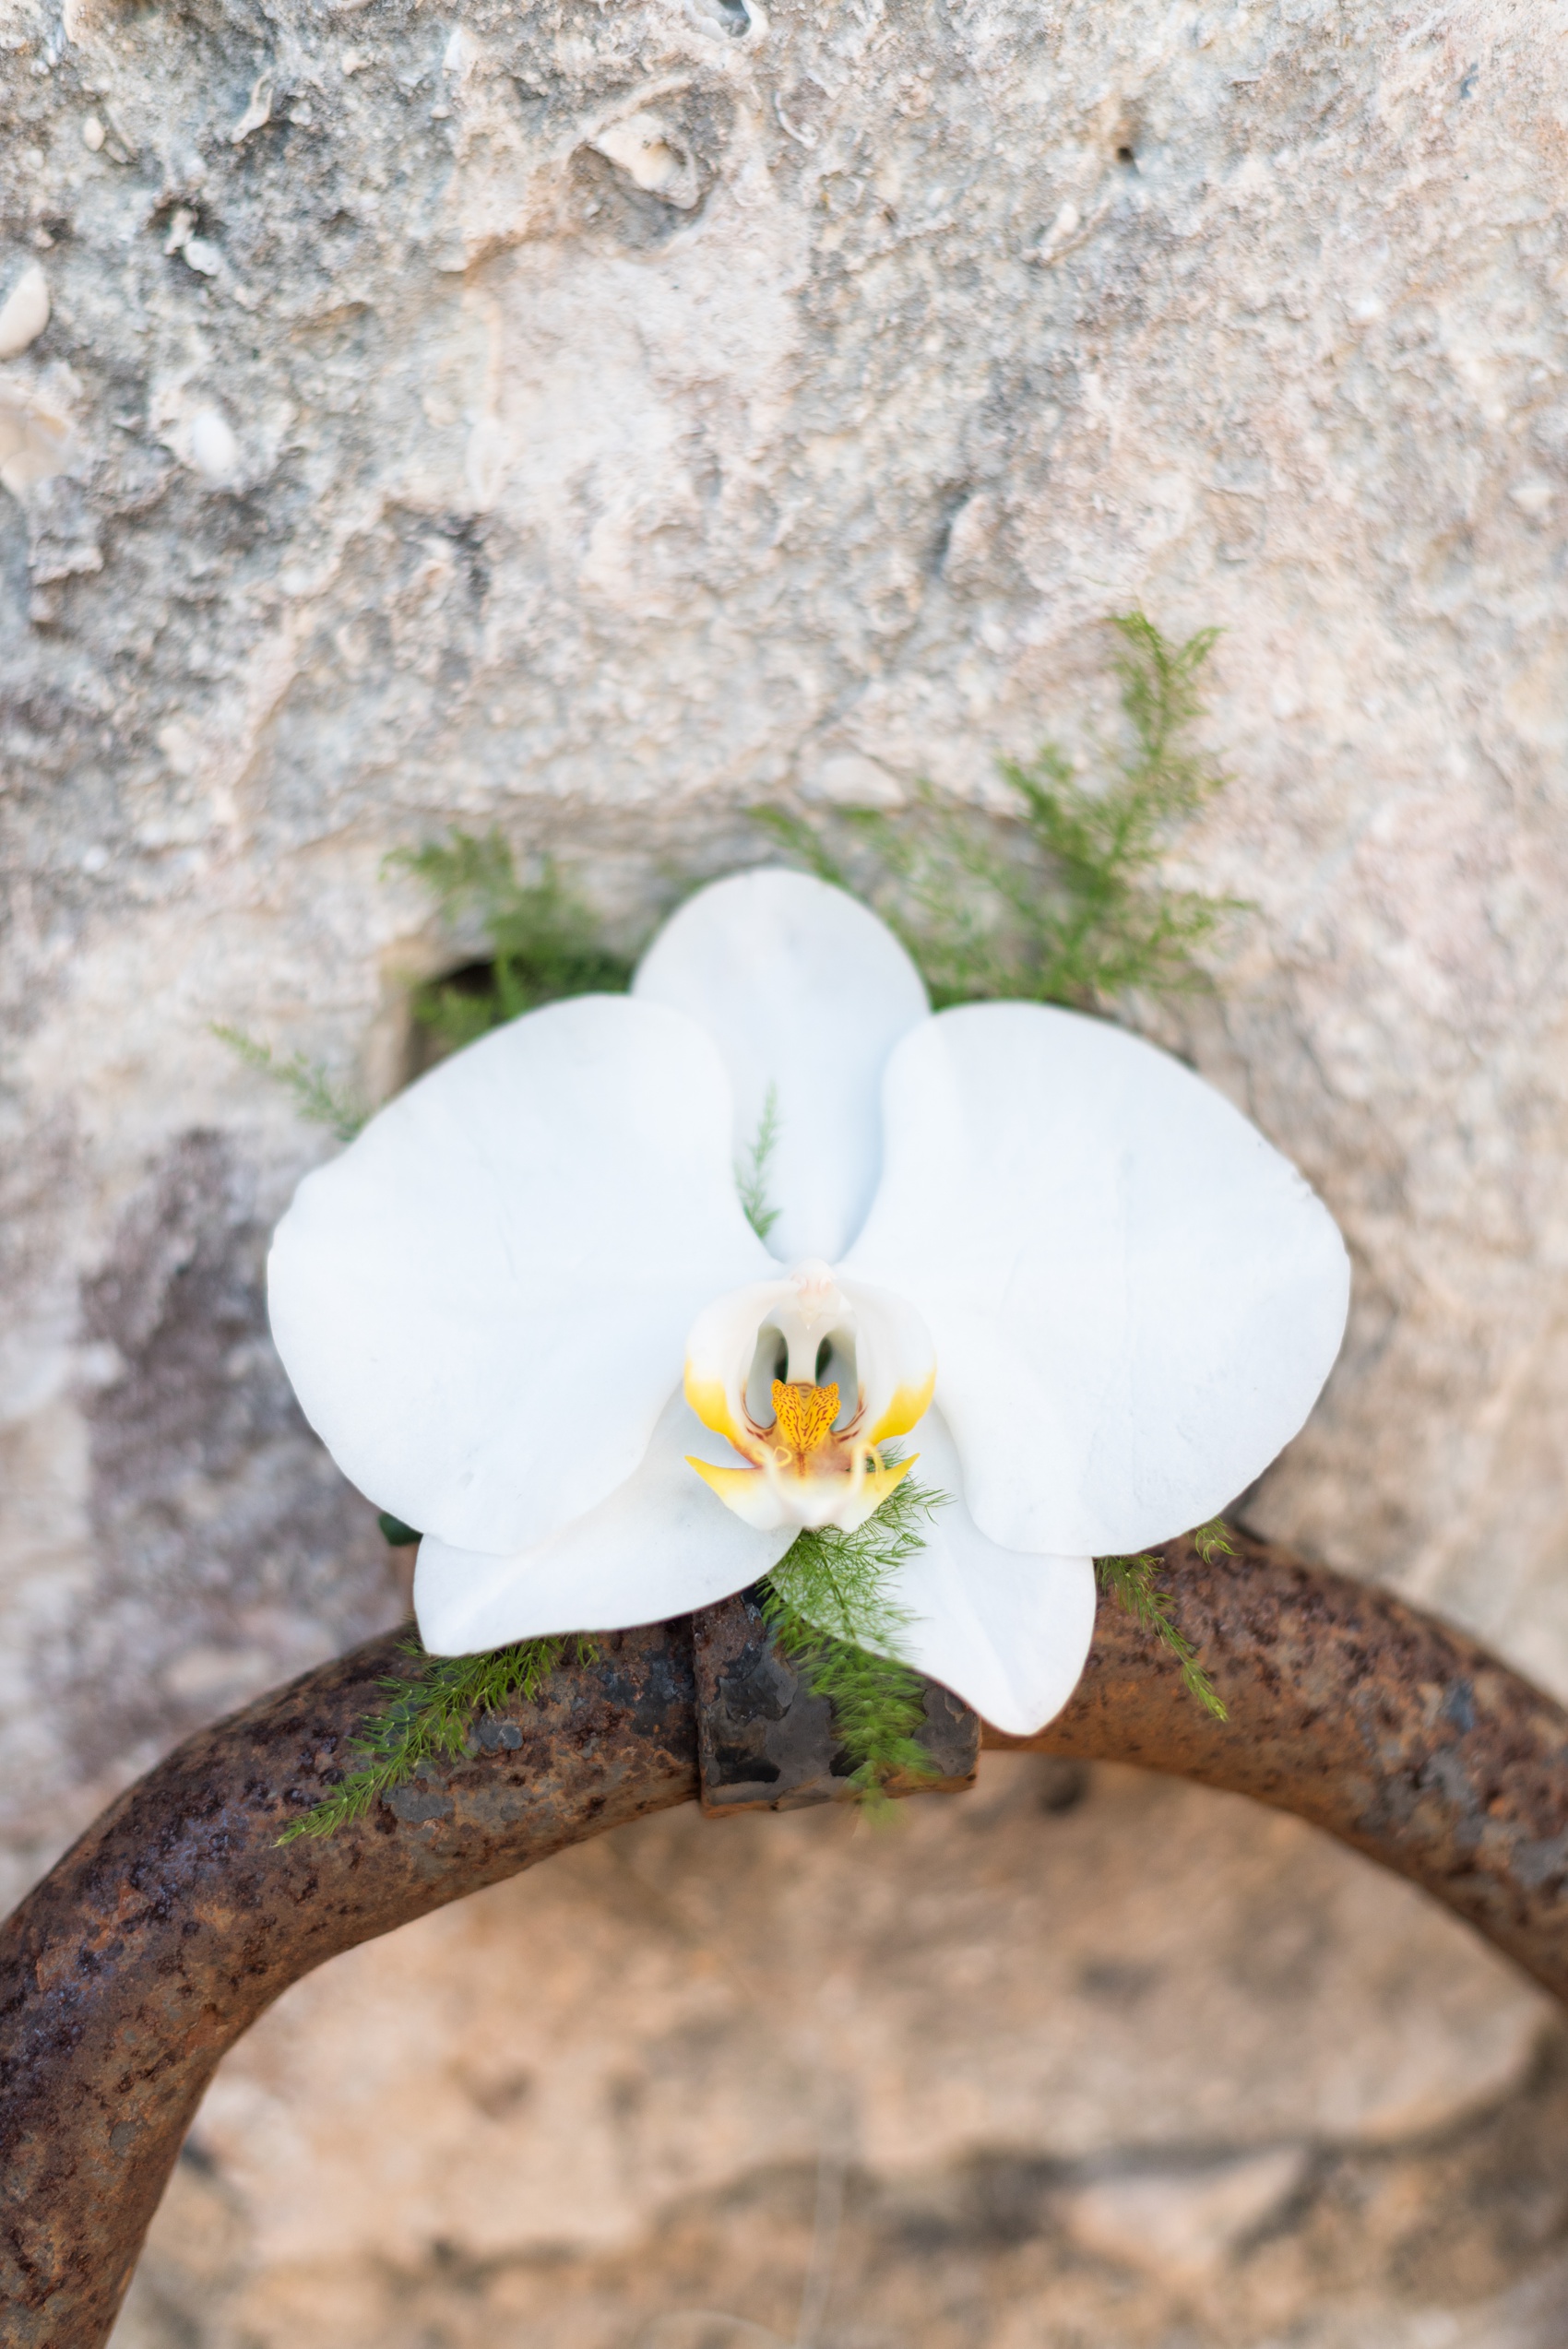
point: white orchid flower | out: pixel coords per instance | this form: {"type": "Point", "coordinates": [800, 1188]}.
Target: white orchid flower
{"type": "Point", "coordinates": [527, 1313]}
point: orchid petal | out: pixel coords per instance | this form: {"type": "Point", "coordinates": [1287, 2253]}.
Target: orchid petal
{"type": "Point", "coordinates": [805, 993]}
{"type": "Point", "coordinates": [659, 1546]}
{"type": "Point", "coordinates": [1006, 1630]}
{"type": "Point", "coordinates": [483, 1302]}
{"type": "Point", "coordinates": [1134, 1300]}
{"type": "Point", "coordinates": [899, 1364]}
{"type": "Point", "coordinates": [754, 1497]}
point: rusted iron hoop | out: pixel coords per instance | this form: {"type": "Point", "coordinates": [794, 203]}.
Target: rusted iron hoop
{"type": "Point", "coordinates": [176, 1919]}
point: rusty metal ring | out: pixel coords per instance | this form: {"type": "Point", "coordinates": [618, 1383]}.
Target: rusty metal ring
{"type": "Point", "coordinates": [176, 1919]}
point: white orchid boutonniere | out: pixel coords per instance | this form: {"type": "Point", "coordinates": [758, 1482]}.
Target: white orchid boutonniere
{"type": "Point", "coordinates": [527, 1313]}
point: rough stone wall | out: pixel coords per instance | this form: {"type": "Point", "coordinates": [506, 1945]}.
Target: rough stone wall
{"type": "Point", "coordinates": [593, 418]}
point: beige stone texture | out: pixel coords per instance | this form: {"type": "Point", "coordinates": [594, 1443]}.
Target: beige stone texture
{"type": "Point", "coordinates": [592, 419]}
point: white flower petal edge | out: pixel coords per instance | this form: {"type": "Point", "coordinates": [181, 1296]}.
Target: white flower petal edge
{"type": "Point", "coordinates": [1134, 1300]}
{"type": "Point", "coordinates": [483, 1302]}
{"type": "Point", "coordinates": [804, 990]}
{"type": "Point", "coordinates": [657, 1547]}
{"type": "Point", "coordinates": [1006, 1630]}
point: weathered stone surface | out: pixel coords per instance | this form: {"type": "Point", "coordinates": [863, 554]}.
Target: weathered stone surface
{"type": "Point", "coordinates": [592, 419]}
{"type": "Point", "coordinates": [1183, 2224]}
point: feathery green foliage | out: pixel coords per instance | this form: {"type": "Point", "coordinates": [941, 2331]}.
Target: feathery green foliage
{"type": "Point", "coordinates": [430, 1718]}
{"type": "Point", "coordinates": [751, 1173]}
{"type": "Point", "coordinates": [315, 1097]}
{"type": "Point", "coordinates": [831, 1595]}
{"type": "Point", "coordinates": [1058, 899]}
{"type": "Point", "coordinates": [1133, 1583]}
{"type": "Point", "coordinates": [544, 943]}
{"type": "Point", "coordinates": [1212, 1541]}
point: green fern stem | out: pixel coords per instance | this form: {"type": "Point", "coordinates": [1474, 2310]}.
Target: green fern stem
{"type": "Point", "coordinates": [315, 1097]}
{"type": "Point", "coordinates": [751, 1172]}
{"type": "Point", "coordinates": [544, 943]}
{"type": "Point", "coordinates": [831, 1606]}
{"type": "Point", "coordinates": [431, 1716]}
{"type": "Point", "coordinates": [1133, 1583]}
{"type": "Point", "coordinates": [1059, 898]}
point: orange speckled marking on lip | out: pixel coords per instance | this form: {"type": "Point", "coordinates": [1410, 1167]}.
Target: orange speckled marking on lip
{"type": "Point", "coordinates": [805, 1414]}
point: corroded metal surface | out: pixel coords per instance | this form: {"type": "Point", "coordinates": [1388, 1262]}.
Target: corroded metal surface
{"type": "Point", "coordinates": [176, 1919]}
{"type": "Point", "coordinates": [163, 1935]}
{"type": "Point", "coordinates": [1375, 1721]}
{"type": "Point", "coordinates": [765, 1742]}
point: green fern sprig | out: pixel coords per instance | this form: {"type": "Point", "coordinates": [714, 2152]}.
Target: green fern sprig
{"type": "Point", "coordinates": [751, 1172]}
{"type": "Point", "coordinates": [430, 1718]}
{"type": "Point", "coordinates": [544, 943]}
{"type": "Point", "coordinates": [1133, 1583]}
{"type": "Point", "coordinates": [1212, 1541]}
{"type": "Point", "coordinates": [315, 1097]}
{"type": "Point", "coordinates": [1059, 899]}
{"type": "Point", "coordinates": [831, 1608]}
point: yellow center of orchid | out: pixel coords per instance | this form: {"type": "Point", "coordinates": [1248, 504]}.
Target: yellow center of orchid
{"type": "Point", "coordinates": [804, 1415]}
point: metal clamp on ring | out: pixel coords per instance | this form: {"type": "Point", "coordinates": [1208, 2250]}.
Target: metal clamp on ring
{"type": "Point", "coordinates": [765, 1742]}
